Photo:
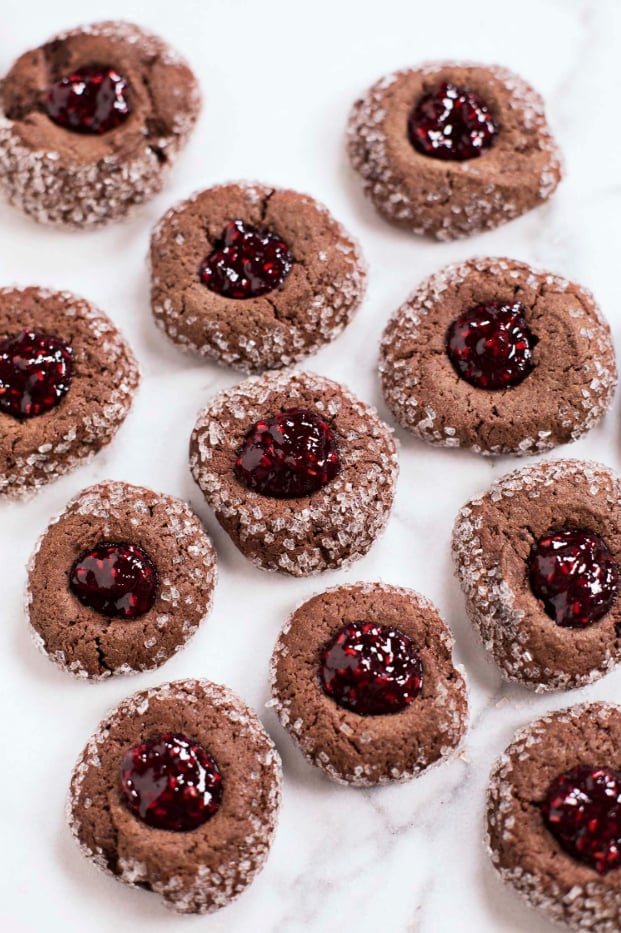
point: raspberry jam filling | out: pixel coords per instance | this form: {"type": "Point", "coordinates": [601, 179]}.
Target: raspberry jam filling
{"type": "Point", "coordinates": [289, 455]}
{"type": "Point", "coordinates": [582, 810]}
{"type": "Point", "coordinates": [246, 263]}
{"type": "Point", "coordinates": [491, 345]}
{"type": "Point", "coordinates": [575, 576]}
{"type": "Point", "coordinates": [115, 580]}
{"type": "Point", "coordinates": [171, 782]}
{"type": "Point", "coordinates": [371, 669]}
{"type": "Point", "coordinates": [452, 123]}
{"type": "Point", "coordinates": [35, 373]}
{"type": "Point", "coordinates": [92, 99]}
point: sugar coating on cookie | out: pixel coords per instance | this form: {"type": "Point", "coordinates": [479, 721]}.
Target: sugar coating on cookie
{"type": "Point", "coordinates": [566, 392]}
{"type": "Point", "coordinates": [363, 750]}
{"type": "Point", "coordinates": [59, 175]}
{"type": "Point", "coordinates": [330, 527]}
{"type": "Point", "coordinates": [105, 374]}
{"type": "Point", "coordinates": [264, 327]}
{"type": "Point", "coordinates": [456, 198]}
{"type": "Point", "coordinates": [493, 540]}
{"type": "Point", "coordinates": [204, 869]}
{"type": "Point", "coordinates": [77, 635]}
{"type": "Point", "coordinates": [524, 852]}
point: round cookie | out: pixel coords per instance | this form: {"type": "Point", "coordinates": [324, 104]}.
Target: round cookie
{"type": "Point", "coordinates": [369, 748]}
{"type": "Point", "coordinates": [564, 379]}
{"type": "Point", "coordinates": [90, 121]}
{"type": "Point", "coordinates": [307, 275]}
{"type": "Point", "coordinates": [496, 540]}
{"type": "Point", "coordinates": [503, 161]}
{"type": "Point", "coordinates": [202, 869]}
{"type": "Point", "coordinates": [40, 443]}
{"type": "Point", "coordinates": [524, 851]}
{"type": "Point", "coordinates": [314, 526]}
{"type": "Point", "coordinates": [119, 581]}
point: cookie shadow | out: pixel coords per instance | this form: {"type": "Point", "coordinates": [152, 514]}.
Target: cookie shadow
{"type": "Point", "coordinates": [104, 896]}
{"type": "Point", "coordinates": [364, 210]}
{"type": "Point", "coordinates": [469, 648]}
{"type": "Point", "coordinates": [39, 668]}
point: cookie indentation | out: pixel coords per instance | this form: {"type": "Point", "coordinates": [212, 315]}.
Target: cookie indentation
{"type": "Point", "coordinates": [289, 455]}
{"type": "Point", "coordinates": [116, 580]}
{"type": "Point", "coordinates": [246, 263]}
{"type": "Point", "coordinates": [452, 123]}
{"type": "Point", "coordinates": [491, 345]}
{"type": "Point", "coordinates": [575, 576]}
{"type": "Point", "coordinates": [371, 669]}
{"type": "Point", "coordinates": [92, 99]}
{"type": "Point", "coordinates": [35, 373]}
{"type": "Point", "coordinates": [582, 809]}
{"type": "Point", "coordinates": [171, 782]}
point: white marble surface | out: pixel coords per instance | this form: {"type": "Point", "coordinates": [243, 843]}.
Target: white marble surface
{"type": "Point", "coordinates": [278, 79]}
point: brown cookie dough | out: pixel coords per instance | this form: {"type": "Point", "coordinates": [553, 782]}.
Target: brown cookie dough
{"type": "Point", "coordinates": [37, 450]}
{"type": "Point", "coordinates": [309, 308]}
{"type": "Point", "coordinates": [89, 644]}
{"type": "Point", "coordinates": [368, 749]}
{"type": "Point", "coordinates": [567, 392]}
{"type": "Point", "coordinates": [524, 852]}
{"type": "Point", "coordinates": [493, 539]}
{"type": "Point", "coordinates": [60, 176]}
{"type": "Point", "coordinates": [196, 871]}
{"type": "Point", "coordinates": [328, 528]}
{"type": "Point", "coordinates": [449, 199]}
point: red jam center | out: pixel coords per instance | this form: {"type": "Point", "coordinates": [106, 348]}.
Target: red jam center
{"type": "Point", "coordinates": [575, 576]}
{"type": "Point", "coordinates": [371, 669]}
{"type": "Point", "coordinates": [491, 345]}
{"type": "Point", "coordinates": [92, 99]}
{"type": "Point", "coordinates": [582, 810]}
{"type": "Point", "coordinates": [115, 580]}
{"type": "Point", "coordinates": [290, 455]}
{"type": "Point", "coordinates": [35, 372]}
{"type": "Point", "coordinates": [246, 263]}
{"type": "Point", "coordinates": [171, 782]}
{"type": "Point", "coordinates": [452, 123]}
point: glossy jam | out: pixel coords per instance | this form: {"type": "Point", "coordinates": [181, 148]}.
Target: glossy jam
{"type": "Point", "coordinates": [575, 576]}
{"type": "Point", "coordinates": [171, 782]}
{"type": "Point", "coordinates": [291, 454]}
{"type": "Point", "coordinates": [115, 579]}
{"type": "Point", "coordinates": [35, 373]}
{"type": "Point", "coordinates": [491, 346]}
{"type": "Point", "coordinates": [452, 123]}
{"type": "Point", "coordinates": [371, 669]}
{"type": "Point", "coordinates": [91, 100]}
{"type": "Point", "coordinates": [246, 263]}
{"type": "Point", "coordinates": [582, 810]}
